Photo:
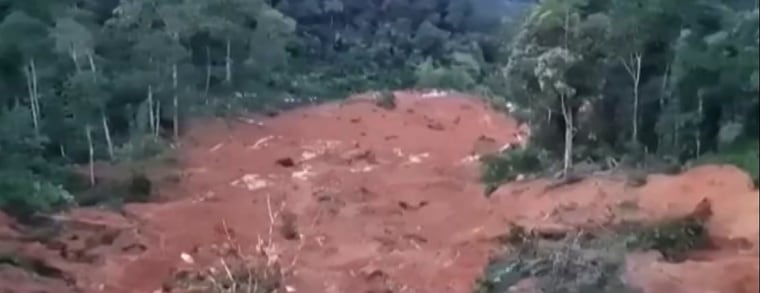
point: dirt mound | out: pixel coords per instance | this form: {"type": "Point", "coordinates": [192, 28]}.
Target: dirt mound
{"type": "Point", "coordinates": [350, 197]}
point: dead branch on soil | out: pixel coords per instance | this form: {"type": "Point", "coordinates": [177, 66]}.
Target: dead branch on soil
{"type": "Point", "coordinates": [591, 259]}
{"type": "Point", "coordinates": [236, 271]}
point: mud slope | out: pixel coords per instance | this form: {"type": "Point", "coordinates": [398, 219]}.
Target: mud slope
{"type": "Point", "coordinates": [382, 201]}
{"type": "Point", "coordinates": [376, 194]}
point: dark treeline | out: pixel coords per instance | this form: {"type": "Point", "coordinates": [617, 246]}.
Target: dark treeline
{"type": "Point", "coordinates": [109, 80]}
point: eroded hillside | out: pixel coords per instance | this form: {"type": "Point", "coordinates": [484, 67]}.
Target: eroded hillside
{"type": "Point", "coordinates": [352, 197]}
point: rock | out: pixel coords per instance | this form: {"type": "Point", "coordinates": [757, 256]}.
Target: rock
{"type": "Point", "coordinates": [286, 162]}
{"type": "Point", "coordinates": [187, 258]}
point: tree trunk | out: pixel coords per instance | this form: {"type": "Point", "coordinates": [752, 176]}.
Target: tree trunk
{"type": "Point", "coordinates": [36, 97]}
{"type": "Point", "coordinates": [92, 64]}
{"type": "Point", "coordinates": [698, 126]}
{"type": "Point", "coordinates": [62, 149]}
{"type": "Point", "coordinates": [107, 133]}
{"type": "Point", "coordinates": [568, 154]}
{"type": "Point", "coordinates": [75, 59]}
{"type": "Point", "coordinates": [664, 87]}
{"type": "Point", "coordinates": [35, 87]}
{"type": "Point", "coordinates": [633, 67]}
{"type": "Point", "coordinates": [175, 102]}
{"type": "Point", "coordinates": [676, 135]}
{"type": "Point", "coordinates": [32, 103]}
{"type": "Point", "coordinates": [208, 74]}
{"type": "Point", "coordinates": [151, 119]}
{"type": "Point", "coordinates": [566, 114]}
{"type": "Point", "coordinates": [228, 63]}
{"type": "Point", "coordinates": [157, 123]}
{"type": "Point", "coordinates": [88, 133]}
{"type": "Point", "coordinates": [636, 82]}
{"type": "Point", "coordinates": [663, 96]}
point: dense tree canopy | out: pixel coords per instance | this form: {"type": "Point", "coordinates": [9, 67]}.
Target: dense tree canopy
{"type": "Point", "coordinates": [671, 78]}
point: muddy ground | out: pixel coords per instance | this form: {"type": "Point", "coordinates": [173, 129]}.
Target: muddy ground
{"type": "Point", "coordinates": [349, 197]}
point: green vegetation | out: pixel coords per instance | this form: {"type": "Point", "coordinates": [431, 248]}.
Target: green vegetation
{"type": "Point", "coordinates": [500, 168]}
{"type": "Point", "coordinates": [430, 76]}
{"type": "Point", "coordinates": [634, 82]}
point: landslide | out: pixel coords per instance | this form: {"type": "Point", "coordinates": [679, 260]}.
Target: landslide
{"type": "Point", "coordinates": [360, 197]}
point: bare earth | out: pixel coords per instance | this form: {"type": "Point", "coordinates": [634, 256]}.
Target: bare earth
{"type": "Point", "coordinates": [381, 201]}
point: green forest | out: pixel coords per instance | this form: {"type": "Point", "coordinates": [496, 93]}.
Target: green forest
{"type": "Point", "coordinates": [614, 81]}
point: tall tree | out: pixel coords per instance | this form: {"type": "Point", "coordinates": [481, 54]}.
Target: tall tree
{"type": "Point", "coordinates": [555, 65]}
{"type": "Point", "coordinates": [27, 37]}
{"type": "Point", "coordinates": [179, 19]}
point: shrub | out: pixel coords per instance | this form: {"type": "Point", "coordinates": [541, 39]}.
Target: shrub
{"type": "Point", "coordinates": [386, 100]}
{"type": "Point", "coordinates": [142, 148]}
{"type": "Point", "coordinates": [430, 76]}
{"type": "Point", "coordinates": [744, 155]}
{"type": "Point", "coordinates": [500, 168]}
{"type": "Point", "coordinates": [23, 195]}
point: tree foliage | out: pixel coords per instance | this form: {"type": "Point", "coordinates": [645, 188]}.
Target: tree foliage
{"type": "Point", "coordinates": [666, 78]}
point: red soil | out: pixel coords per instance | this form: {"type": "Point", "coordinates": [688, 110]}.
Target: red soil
{"type": "Point", "coordinates": [382, 201]}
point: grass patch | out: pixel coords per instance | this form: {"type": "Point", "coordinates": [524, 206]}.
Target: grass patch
{"type": "Point", "coordinates": [589, 261]}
